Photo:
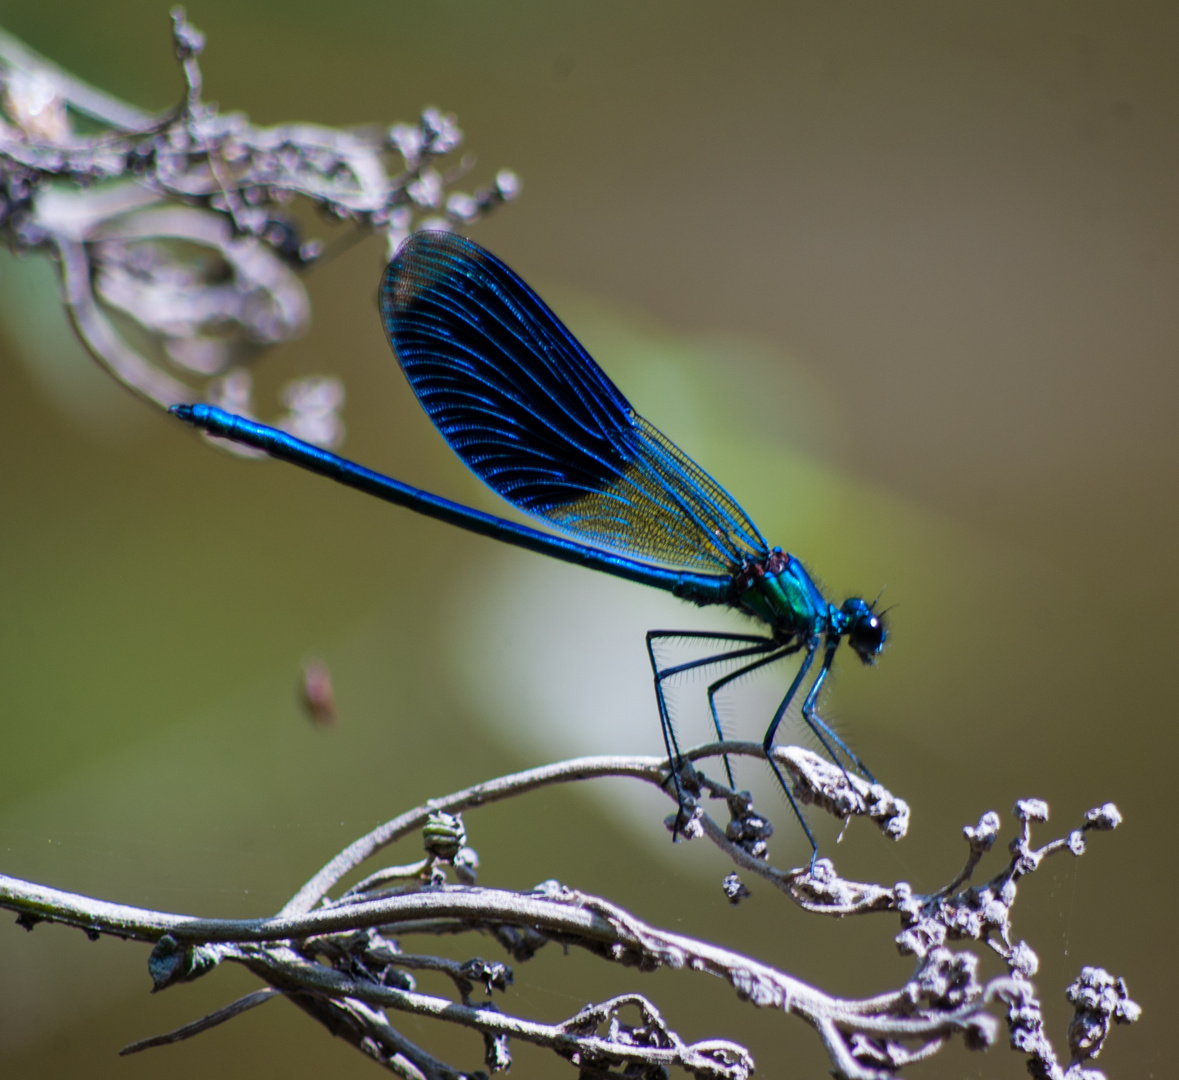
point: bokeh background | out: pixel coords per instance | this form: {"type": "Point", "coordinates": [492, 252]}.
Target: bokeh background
{"type": "Point", "coordinates": [902, 276]}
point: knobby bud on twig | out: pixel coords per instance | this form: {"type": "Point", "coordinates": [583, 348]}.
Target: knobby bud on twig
{"type": "Point", "coordinates": [342, 961]}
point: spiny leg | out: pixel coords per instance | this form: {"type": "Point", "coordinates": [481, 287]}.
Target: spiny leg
{"type": "Point", "coordinates": [759, 644]}
{"type": "Point", "coordinates": [768, 742]}
{"type": "Point", "coordinates": [721, 683]}
{"type": "Point", "coordinates": [717, 658]}
{"type": "Point", "coordinates": [675, 761]}
{"type": "Point", "coordinates": [820, 728]}
{"type": "Point", "coordinates": [808, 706]}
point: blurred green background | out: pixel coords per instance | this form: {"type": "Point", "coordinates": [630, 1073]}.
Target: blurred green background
{"type": "Point", "coordinates": [902, 276]}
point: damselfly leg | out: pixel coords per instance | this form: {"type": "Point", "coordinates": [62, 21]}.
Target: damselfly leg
{"type": "Point", "coordinates": [754, 646]}
{"type": "Point", "coordinates": [721, 683]}
{"type": "Point", "coordinates": [820, 727]}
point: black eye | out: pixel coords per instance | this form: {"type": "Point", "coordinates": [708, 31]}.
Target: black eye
{"type": "Point", "coordinates": [867, 637]}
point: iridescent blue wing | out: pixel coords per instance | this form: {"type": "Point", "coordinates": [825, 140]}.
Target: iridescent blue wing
{"type": "Point", "coordinates": [530, 413]}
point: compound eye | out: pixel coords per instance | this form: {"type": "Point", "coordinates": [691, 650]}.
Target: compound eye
{"type": "Point", "coordinates": [867, 637]}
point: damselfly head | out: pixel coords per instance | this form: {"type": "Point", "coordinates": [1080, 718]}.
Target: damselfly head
{"type": "Point", "coordinates": [866, 630]}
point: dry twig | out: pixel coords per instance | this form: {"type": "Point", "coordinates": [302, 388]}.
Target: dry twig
{"type": "Point", "coordinates": [181, 223]}
{"type": "Point", "coordinates": [341, 960]}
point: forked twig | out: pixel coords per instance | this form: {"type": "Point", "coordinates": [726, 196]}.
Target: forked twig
{"type": "Point", "coordinates": [341, 961]}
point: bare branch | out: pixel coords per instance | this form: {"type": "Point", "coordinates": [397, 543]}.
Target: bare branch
{"type": "Point", "coordinates": [815, 782]}
{"type": "Point", "coordinates": [340, 963]}
{"type": "Point", "coordinates": [16, 58]}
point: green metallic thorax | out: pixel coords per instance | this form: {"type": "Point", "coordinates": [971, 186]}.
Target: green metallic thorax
{"type": "Point", "coordinates": [781, 594]}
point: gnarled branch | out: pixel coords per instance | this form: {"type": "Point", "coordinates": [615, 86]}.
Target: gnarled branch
{"type": "Point", "coordinates": [341, 960]}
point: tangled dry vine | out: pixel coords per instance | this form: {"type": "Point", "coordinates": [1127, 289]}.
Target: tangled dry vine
{"type": "Point", "coordinates": [184, 222]}
{"type": "Point", "coordinates": [341, 959]}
